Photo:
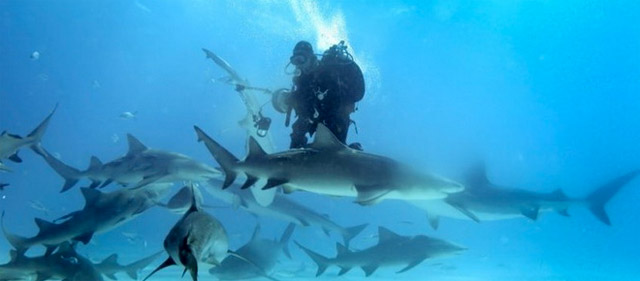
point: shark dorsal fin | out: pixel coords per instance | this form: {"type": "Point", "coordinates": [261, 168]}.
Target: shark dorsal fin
{"type": "Point", "coordinates": [90, 195]}
{"type": "Point", "coordinates": [43, 225]}
{"type": "Point", "coordinates": [385, 234]}
{"type": "Point", "coordinates": [341, 249]}
{"type": "Point", "coordinates": [135, 146]}
{"type": "Point", "coordinates": [94, 163]}
{"type": "Point", "coordinates": [255, 150]}
{"type": "Point", "coordinates": [110, 260]}
{"type": "Point", "coordinates": [477, 175]}
{"type": "Point", "coordinates": [326, 140]}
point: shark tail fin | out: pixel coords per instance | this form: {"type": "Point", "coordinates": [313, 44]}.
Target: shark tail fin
{"type": "Point", "coordinates": [38, 132]}
{"type": "Point", "coordinates": [71, 175]}
{"type": "Point", "coordinates": [352, 232]}
{"type": "Point", "coordinates": [320, 260]}
{"type": "Point", "coordinates": [284, 240]}
{"type": "Point", "coordinates": [18, 242]}
{"type": "Point", "coordinates": [133, 268]}
{"type": "Point", "coordinates": [222, 156]}
{"type": "Point", "coordinates": [600, 197]}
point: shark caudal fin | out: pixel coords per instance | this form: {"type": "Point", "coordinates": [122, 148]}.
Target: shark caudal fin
{"type": "Point", "coordinates": [17, 242]}
{"type": "Point", "coordinates": [321, 261]}
{"type": "Point", "coordinates": [38, 132]}
{"type": "Point", "coordinates": [351, 232]}
{"type": "Point", "coordinates": [600, 197]}
{"type": "Point", "coordinates": [71, 175]}
{"type": "Point", "coordinates": [222, 156]}
{"type": "Point", "coordinates": [284, 240]}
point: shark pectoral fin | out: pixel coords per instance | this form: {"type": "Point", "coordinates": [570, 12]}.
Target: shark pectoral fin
{"type": "Point", "coordinates": [530, 212]}
{"type": "Point", "coordinates": [412, 265]}
{"type": "Point", "coordinates": [111, 276]}
{"type": "Point", "coordinates": [67, 216]}
{"type": "Point", "coordinates": [434, 221]}
{"type": "Point", "coordinates": [150, 179]}
{"type": "Point", "coordinates": [462, 209]}
{"type": "Point", "coordinates": [271, 183]}
{"type": "Point", "coordinates": [84, 238]}
{"type": "Point", "coordinates": [563, 212]}
{"type": "Point", "coordinates": [370, 195]}
{"type": "Point", "coordinates": [15, 158]}
{"type": "Point", "coordinates": [166, 263]}
{"type": "Point", "coordinates": [49, 249]}
{"type": "Point", "coordinates": [343, 270]}
{"type": "Point", "coordinates": [105, 183]}
{"type": "Point", "coordinates": [250, 181]}
{"type": "Point", "coordinates": [369, 269]}
{"type": "Point", "coordinates": [94, 184]}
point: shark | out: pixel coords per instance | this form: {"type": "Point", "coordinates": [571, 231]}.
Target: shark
{"type": "Point", "coordinates": [102, 212]}
{"type": "Point", "coordinates": [284, 209]}
{"type": "Point", "coordinates": [263, 252]}
{"type": "Point", "coordinates": [3, 185]}
{"type": "Point", "coordinates": [196, 238]}
{"type": "Point", "coordinates": [139, 167]}
{"type": "Point", "coordinates": [110, 266]}
{"type": "Point", "coordinates": [64, 264]}
{"type": "Point", "coordinates": [10, 144]}
{"type": "Point", "coordinates": [254, 112]}
{"type": "Point", "coordinates": [392, 249]}
{"type": "Point", "coordinates": [484, 201]}
{"type": "Point", "coordinates": [331, 168]}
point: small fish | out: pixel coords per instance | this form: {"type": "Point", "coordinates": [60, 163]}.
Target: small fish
{"type": "Point", "coordinates": [128, 115]}
{"type": "Point", "coordinates": [38, 206]}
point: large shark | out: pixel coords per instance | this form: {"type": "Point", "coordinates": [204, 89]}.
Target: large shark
{"type": "Point", "coordinates": [139, 167]}
{"type": "Point", "coordinates": [483, 200]}
{"type": "Point", "coordinates": [262, 252]}
{"type": "Point", "coordinates": [392, 249]}
{"type": "Point", "coordinates": [329, 167]}
{"type": "Point", "coordinates": [110, 266]}
{"type": "Point", "coordinates": [10, 144]}
{"type": "Point", "coordinates": [282, 208]}
{"type": "Point", "coordinates": [65, 264]}
{"type": "Point", "coordinates": [196, 238]}
{"type": "Point", "coordinates": [102, 212]}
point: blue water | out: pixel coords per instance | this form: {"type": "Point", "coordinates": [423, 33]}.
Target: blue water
{"type": "Point", "coordinates": [545, 92]}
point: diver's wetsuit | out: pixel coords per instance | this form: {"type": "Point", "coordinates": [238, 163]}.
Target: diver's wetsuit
{"type": "Point", "coordinates": [326, 94]}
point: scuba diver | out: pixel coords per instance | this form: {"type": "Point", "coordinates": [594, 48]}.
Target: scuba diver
{"type": "Point", "coordinates": [324, 91]}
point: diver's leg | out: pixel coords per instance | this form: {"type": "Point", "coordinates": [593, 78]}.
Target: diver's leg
{"type": "Point", "coordinates": [298, 135]}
